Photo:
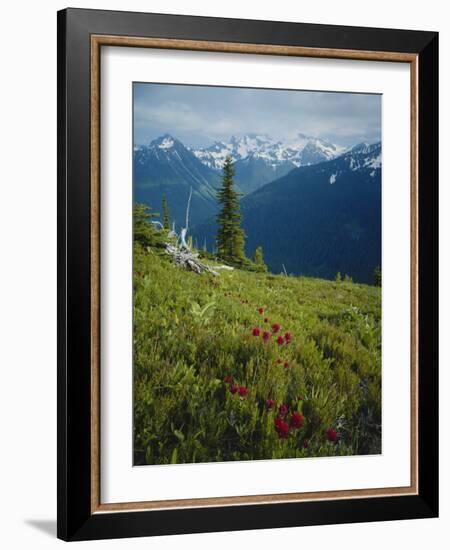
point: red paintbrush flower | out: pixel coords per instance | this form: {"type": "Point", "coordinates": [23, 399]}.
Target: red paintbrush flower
{"type": "Point", "coordinates": [287, 337]}
{"type": "Point", "coordinates": [266, 319]}
{"type": "Point", "coordinates": [275, 328]}
{"type": "Point", "coordinates": [281, 427]}
{"type": "Point", "coordinates": [331, 434]}
{"type": "Point", "coordinates": [296, 420]}
{"type": "Point", "coordinates": [261, 310]}
{"type": "Point", "coordinates": [270, 404]}
{"type": "Point", "coordinates": [243, 391]}
{"type": "Point", "coordinates": [286, 365]}
{"type": "Point", "coordinates": [282, 410]}
{"type": "Point", "coordinates": [233, 388]}
{"type": "Point", "coordinates": [228, 379]}
{"type": "Point", "coordinates": [266, 336]}
{"type": "Point", "coordinates": [305, 444]}
{"type": "Point", "coordinates": [280, 340]}
{"type": "Point", "coordinates": [256, 331]}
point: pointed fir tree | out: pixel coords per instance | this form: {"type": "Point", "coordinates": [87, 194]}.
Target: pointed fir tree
{"type": "Point", "coordinates": [258, 259]}
{"type": "Point", "coordinates": [144, 232]}
{"type": "Point", "coordinates": [230, 236]}
{"type": "Point", "coordinates": [166, 214]}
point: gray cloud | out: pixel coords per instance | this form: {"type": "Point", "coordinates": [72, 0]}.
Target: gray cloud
{"type": "Point", "coordinates": [198, 115]}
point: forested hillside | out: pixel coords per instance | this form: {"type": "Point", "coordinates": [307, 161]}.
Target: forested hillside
{"type": "Point", "coordinates": [317, 220]}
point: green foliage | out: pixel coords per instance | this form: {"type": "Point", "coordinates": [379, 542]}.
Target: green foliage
{"type": "Point", "coordinates": [191, 331]}
{"type": "Point", "coordinates": [377, 276]}
{"type": "Point", "coordinates": [258, 258]}
{"type": "Point", "coordinates": [338, 277]}
{"type": "Point", "coordinates": [230, 237]}
{"type": "Point", "coordinates": [144, 232]}
{"type": "Point", "coordinates": [166, 214]}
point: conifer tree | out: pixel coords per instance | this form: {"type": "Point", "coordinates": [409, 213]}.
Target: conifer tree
{"type": "Point", "coordinates": [143, 230]}
{"type": "Point", "coordinates": [166, 214]}
{"type": "Point", "coordinates": [258, 256]}
{"type": "Point", "coordinates": [230, 236]}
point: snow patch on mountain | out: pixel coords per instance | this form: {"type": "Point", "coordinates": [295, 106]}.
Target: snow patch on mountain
{"type": "Point", "coordinates": [166, 143]}
{"type": "Point", "coordinates": [374, 162]}
{"type": "Point", "coordinates": [300, 151]}
{"type": "Point", "coordinates": [364, 156]}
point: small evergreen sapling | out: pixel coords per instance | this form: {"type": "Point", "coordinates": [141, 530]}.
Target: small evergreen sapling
{"type": "Point", "coordinates": [258, 258]}
{"type": "Point", "coordinates": [166, 213]}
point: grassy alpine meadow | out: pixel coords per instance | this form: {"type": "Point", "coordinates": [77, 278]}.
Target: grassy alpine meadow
{"type": "Point", "coordinates": [251, 365]}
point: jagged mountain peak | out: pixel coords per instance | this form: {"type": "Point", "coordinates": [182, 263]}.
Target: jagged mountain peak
{"type": "Point", "coordinates": [365, 148]}
{"type": "Point", "coordinates": [300, 150]}
{"type": "Point", "coordinates": [165, 141]}
{"type": "Point", "coordinates": [365, 151]}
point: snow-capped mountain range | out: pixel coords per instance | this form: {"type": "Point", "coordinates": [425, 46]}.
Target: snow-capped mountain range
{"type": "Point", "coordinates": [301, 151]}
{"type": "Point", "coordinates": [167, 167]}
{"type": "Point", "coordinates": [258, 159]}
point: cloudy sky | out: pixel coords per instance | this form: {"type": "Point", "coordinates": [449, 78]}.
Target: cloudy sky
{"type": "Point", "coordinates": [199, 115]}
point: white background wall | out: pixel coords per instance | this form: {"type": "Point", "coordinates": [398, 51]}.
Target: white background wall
{"type": "Point", "coordinates": [28, 272]}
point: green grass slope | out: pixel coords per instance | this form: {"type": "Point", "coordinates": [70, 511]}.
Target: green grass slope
{"type": "Point", "coordinates": [208, 387]}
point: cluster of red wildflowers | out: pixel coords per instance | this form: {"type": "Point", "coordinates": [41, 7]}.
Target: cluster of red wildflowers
{"type": "Point", "coordinates": [283, 424]}
{"type": "Point", "coordinates": [281, 427]}
{"type": "Point", "coordinates": [276, 327]}
{"type": "Point", "coordinates": [242, 391]}
{"type": "Point", "coordinates": [281, 339]}
{"type": "Point", "coordinates": [296, 420]}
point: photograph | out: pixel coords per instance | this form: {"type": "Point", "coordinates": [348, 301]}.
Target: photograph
{"type": "Point", "coordinates": [257, 273]}
{"type": "Point", "coordinates": [247, 271]}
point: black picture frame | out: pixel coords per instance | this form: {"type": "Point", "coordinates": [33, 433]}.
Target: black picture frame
{"type": "Point", "coordinates": [75, 519]}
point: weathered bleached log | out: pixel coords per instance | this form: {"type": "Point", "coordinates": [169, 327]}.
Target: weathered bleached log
{"type": "Point", "coordinates": [224, 267]}
{"type": "Point", "coordinates": [188, 260]}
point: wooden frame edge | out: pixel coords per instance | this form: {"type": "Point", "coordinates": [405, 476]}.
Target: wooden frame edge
{"type": "Point", "coordinates": [248, 48]}
{"type": "Point", "coordinates": [254, 499]}
{"type": "Point", "coordinates": [414, 274]}
{"type": "Point", "coordinates": [261, 49]}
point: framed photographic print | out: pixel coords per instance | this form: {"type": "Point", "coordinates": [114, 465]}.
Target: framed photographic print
{"type": "Point", "coordinates": [247, 274]}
